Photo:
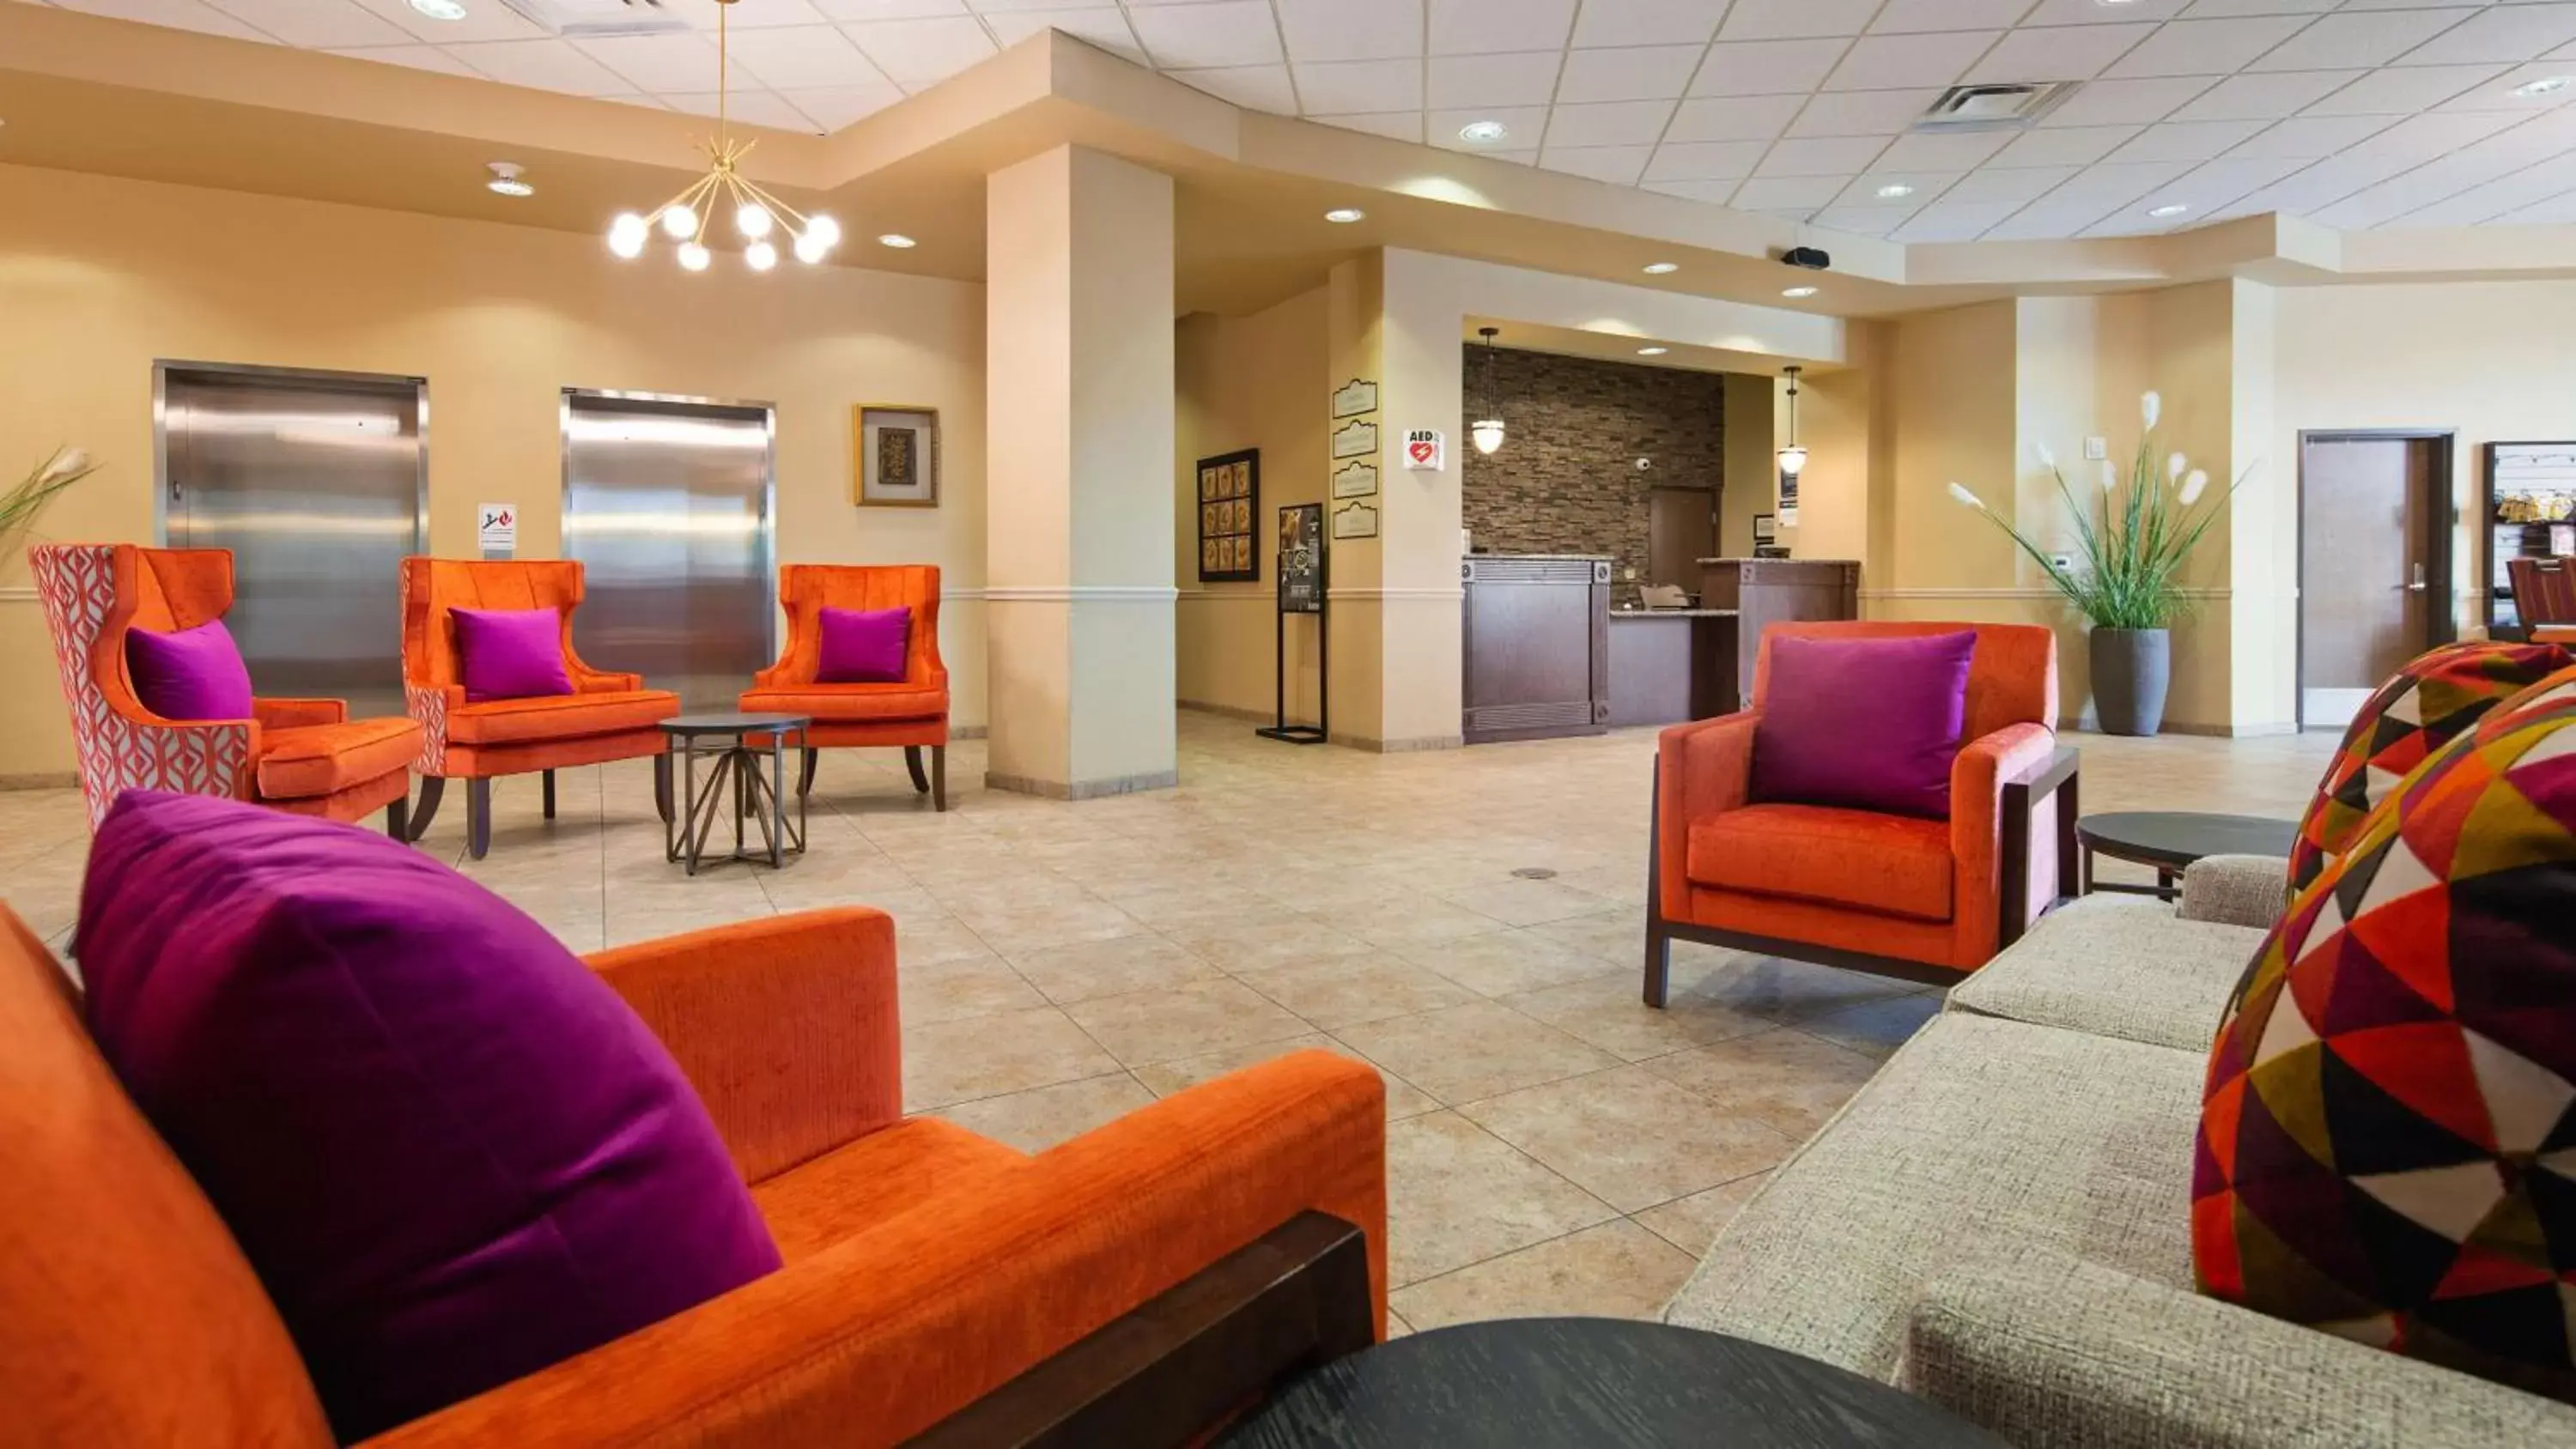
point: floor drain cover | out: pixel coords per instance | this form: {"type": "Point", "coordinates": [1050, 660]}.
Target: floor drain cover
{"type": "Point", "coordinates": [1535, 872]}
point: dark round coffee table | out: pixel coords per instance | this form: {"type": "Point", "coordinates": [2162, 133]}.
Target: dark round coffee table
{"type": "Point", "coordinates": [2170, 840]}
{"type": "Point", "coordinates": [726, 740]}
{"type": "Point", "coordinates": [1578, 1383]}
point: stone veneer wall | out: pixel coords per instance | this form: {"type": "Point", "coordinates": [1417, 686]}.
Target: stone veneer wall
{"type": "Point", "coordinates": [1566, 478]}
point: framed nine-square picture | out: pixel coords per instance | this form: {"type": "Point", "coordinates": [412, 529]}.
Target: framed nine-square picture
{"type": "Point", "coordinates": [1229, 501]}
{"type": "Point", "coordinates": [898, 456]}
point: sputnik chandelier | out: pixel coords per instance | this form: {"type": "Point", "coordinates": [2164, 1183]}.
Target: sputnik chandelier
{"type": "Point", "coordinates": [759, 216]}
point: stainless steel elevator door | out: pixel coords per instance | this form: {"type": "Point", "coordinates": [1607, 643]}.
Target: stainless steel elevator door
{"type": "Point", "coordinates": [667, 505]}
{"type": "Point", "coordinates": [313, 480]}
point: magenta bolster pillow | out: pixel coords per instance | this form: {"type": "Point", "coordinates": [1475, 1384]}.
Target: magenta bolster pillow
{"type": "Point", "coordinates": [450, 1150]}
{"type": "Point", "coordinates": [510, 653]}
{"type": "Point", "coordinates": [865, 646]}
{"type": "Point", "coordinates": [1868, 724]}
{"type": "Point", "coordinates": [189, 673]}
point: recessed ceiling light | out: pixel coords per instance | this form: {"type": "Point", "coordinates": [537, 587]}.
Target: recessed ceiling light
{"type": "Point", "coordinates": [1483, 133]}
{"type": "Point", "coordinates": [2548, 85]}
{"type": "Point", "coordinates": [1662, 269]}
{"type": "Point", "coordinates": [1894, 190]}
{"type": "Point", "coordinates": [1652, 351]}
{"type": "Point", "coordinates": [2175, 208]}
{"type": "Point", "coordinates": [440, 9]}
{"type": "Point", "coordinates": [1799, 292]}
{"type": "Point", "coordinates": [897, 240]}
{"type": "Point", "coordinates": [505, 179]}
{"type": "Point", "coordinates": [1344, 215]}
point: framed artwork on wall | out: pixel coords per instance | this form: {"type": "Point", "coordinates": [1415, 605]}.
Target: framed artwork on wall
{"type": "Point", "coordinates": [1229, 502]}
{"type": "Point", "coordinates": [898, 456]}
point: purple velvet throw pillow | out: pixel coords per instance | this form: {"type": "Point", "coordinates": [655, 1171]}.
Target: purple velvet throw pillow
{"type": "Point", "coordinates": [510, 653]}
{"type": "Point", "coordinates": [453, 1154]}
{"type": "Point", "coordinates": [189, 673]}
{"type": "Point", "coordinates": [1869, 724]}
{"type": "Point", "coordinates": [865, 646]}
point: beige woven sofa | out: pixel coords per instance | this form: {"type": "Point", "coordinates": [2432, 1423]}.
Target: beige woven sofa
{"type": "Point", "coordinates": [2000, 1220]}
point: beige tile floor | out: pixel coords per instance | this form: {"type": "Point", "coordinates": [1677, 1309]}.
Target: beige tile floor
{"type": "Point", "coordinates": [1554, 1146]}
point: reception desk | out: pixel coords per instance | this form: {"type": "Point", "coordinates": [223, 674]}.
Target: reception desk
{"type": "Point", "coordinates": [1671, 665]}
{"type": "Point", "coordinates": [1536, 646]}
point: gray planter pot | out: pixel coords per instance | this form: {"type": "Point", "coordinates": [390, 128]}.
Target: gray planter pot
{"type": "Point", "coordinates": [2131, 669]}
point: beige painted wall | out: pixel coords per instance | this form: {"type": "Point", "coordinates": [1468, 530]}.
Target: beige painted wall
{"type": "Point", "coordinates": [1750, 462]}
{"type": "Point", "coordinates": [1249, 382]}
{"type": "Point", "coordinates": [100, 276]}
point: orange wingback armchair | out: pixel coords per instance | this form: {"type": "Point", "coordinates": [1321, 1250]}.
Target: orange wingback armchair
{"type": "Point", "coordinates": [1919, 898]}
{"type": "Point", "coordinates": [301, 755]}
{"type": "Point", "coordinates": [608, 716]}
{"type": "Point", "coordinates": [925, 1266]}
{"type": "Point", "coordinates": [911, 712]}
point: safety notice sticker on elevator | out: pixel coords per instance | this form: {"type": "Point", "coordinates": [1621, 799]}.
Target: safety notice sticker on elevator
{"type": "Point", "coordinates": [496, 527]}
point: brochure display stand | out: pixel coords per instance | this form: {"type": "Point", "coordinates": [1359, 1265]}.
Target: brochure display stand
{"type": "Point", "coordinates": [1301, 591]}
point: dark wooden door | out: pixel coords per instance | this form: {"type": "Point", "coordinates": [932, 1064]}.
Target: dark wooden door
{"type": "Point", "coordinates": [1681, 529]}
{"type": "Point", "coordinates": [2366, 595]}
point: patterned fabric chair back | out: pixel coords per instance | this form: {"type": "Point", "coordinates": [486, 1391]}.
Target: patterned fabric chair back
{"type": "Point", "coordinates": [2544, 589]}
{"type": "Point", "coordinates": [94, 592]}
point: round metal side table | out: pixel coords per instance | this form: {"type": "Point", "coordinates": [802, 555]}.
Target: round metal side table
{"type": "Point", "coordinates": [743, 779]}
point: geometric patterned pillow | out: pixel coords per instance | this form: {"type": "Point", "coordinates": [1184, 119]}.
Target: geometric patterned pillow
{"type": "Point", "coordinates": [2416, 712]}
{"type": "Point", "coordinates": [2387, 1146]}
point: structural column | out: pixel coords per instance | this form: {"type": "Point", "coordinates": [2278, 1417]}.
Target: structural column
{"type": "Point", "coordinates": [1078, 449]}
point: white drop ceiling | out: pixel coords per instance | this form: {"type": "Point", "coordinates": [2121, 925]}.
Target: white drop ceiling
{"type": "Point", "coordinates": [2354, 113]}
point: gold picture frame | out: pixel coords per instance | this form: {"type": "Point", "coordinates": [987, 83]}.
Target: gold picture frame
{"type": "Point", "coordinates": [894, 455]}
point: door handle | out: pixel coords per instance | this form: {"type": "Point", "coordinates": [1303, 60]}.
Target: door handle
{"type": "Point", "coordinates": [2418, 585]}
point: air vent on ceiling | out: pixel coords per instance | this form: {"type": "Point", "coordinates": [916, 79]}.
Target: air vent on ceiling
{"type": "Point", "coordinates": [1995, 106]}
{"type": "Point", "coordinates": [599, 17]}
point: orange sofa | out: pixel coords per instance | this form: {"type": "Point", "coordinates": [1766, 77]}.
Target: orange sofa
{"type": "Point", "coordinates": [608, 716]}
{"type": "Point", "coordinates": [912, 712]}
{"type": "Point", "coordinates": [305, 756]}
{"type": "Point", "coordinates": [925, 1266]}
{"type": "Point", "coordinates": [1924, 899]}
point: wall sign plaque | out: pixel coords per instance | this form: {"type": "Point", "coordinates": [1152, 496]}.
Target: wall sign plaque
{"type": "Point", "coordinates": [1355, 520]}
{"type": "Point", "coordinates": [1354, 398]}
{"type": "Point", "coordinates": [1355, 480]}
{"type": "Point", "coordinates": [1355, 440]}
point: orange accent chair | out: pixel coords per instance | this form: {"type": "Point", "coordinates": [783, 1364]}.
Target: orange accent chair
{"type": "Point", "coordinates": [926, 1266]}
{"type": "Point", "coordinates": [608, 716]}
{"type": "Point", "coordinates": [912, 713]}
{"type": "Point", "coordinates": [305, 756]}
{"type": "Point", "coordinates": [1928, 900]}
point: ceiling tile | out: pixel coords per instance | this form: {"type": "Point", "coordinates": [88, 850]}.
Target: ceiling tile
{"type": "Point", "coordinates": [1767, 67]}
{"type": "Point", "coordinates": [2254, 98]}
{"type": "Point", "coordinates": [1525, 125]}
{"type": "Point", "coordinates": [1714, 192]}
{"type": "Point", "coordinates": [811, 57]}
{"type": "Point", "coordinates": [1705, 160]}
{"type": "Point", "coordinates": [757, 108]}
{"type": "Point", "coordinates": [2186, 140]}
{"type": "Point", "coordinates": [2126, 102]}
{"type": "Point", "coordinates": [1954, 221]}
{"type": "Point", "coordinates": [1862, 113]}
{"type": "Point", "coordinates": [2207, 47]}
{"type": "Point", "coordinates": [1775, 193]}
{"type": "Point", "coordinates": [1347, 86]}
{"type": "Point", "coordinates": [857, 10]}
{"type": "Point", "coordinates": [679, 61]}
{"type": "Point", "coordinates": [1822, 156]}
{"type": "Point", "coordinates": [1103, 26]}
{"type": "Point", "coordinates": [1258, 87]}
{"type": "Point", "coordinates": [1350, 29]}
{"type": "Point", "coordinates": [1927, 186]}
{"type": "Point", "coordinates": [1645, 22]}
{"type": "Point", "coordinates": [481, 22]}
{"type": "Point", "coordinates": [2011, 185]}
{"type": "Point", "coordinates": [1734, 118]}
{"type": "Point", "coordinates": [2401, 90]}
{"type": "Point", "coordinates": [2235, 9]}
{"type": "Point", "coordinates": [179, 14]}
{"type": "Point", "coordinates": [315, 24]}
{"type": "Point", "coordinates": [1884, 62]}
{"type": "Point", "coordinates": [914, 53]}
{"type": "Point", "coordinates": [1471, 27]}
{"type": "Point", "coordinates": [2064, 146]}
{"type": "Point", "coordinates": [1944, 151]}
{"type": "Point", "coordinates": [2094, 12]}
{"type": "Point", "coordinates": [1615, 123]}
{"type": "Point", "coordinates": [418, 57]}
{"type": "Point", "coordinates": [548, 65]}
{"type": "Point", "coordinates": [1905, 16]}
{"type": "Point", "coordinates": [745, 15]}
{"type": "Point", "coordinates": [2498, 94]}
{"type": "Point", "coordinates": [1394, 125]}
{"type": "Point", "coordinates": [2214, 184]}
{"type": "Point", "coordinates": [2309, 137]}
{"type": "Point", "coordinates": [1525, 79]}
{"type": "Point", "coordinates": [833, 107]}
{"type": "Point", "coordinates": [1630, 73]}
{"type": "Point", "coordinates": [2363, 38]}
{"type": "Point", "coordinates": [1223, 33]}
{"type": "Point", "coordinates": [1788, 19]}
{"type": "Point", "coordinates": [1865, 220]}
{"type": "Point", "coordinates": [2504, 33]}
{"type": "Point", "coordinates": [2064, 52]}
{"type": "Point", "coordinates": [1618, 164]}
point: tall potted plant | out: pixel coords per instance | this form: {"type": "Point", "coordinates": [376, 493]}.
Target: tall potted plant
{"type": "Point", "coordinates": [2128, 580]}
